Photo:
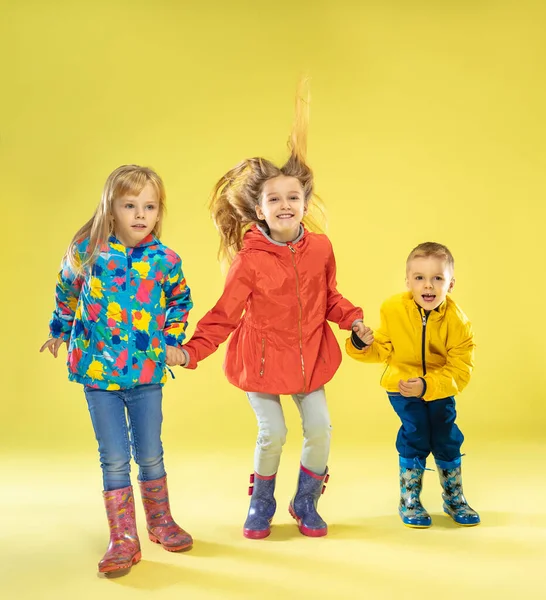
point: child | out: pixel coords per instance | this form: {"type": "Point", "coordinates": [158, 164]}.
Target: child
{"type": "Point", "coordinates": [427, 343]}
{"type": "Point", "coordinates": [284, 280]}
{"type": "Point", "coordinates": [122, 305]}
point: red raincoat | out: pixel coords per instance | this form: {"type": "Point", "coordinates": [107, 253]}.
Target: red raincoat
{"type": "Point", "coordinates": [282, 344]}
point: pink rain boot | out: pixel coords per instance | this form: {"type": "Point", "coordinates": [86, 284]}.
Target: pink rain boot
{"type": "Point", "coordinates": [124, 547]}
{"type": "Point", "coordinates": [161, 526]}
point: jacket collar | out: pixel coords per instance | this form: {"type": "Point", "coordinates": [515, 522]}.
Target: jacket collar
{"type": "Point", "coordinates": [149, 240]}
{"type": "Point", "coordinates": [256, 238]}
{"type": "Point", "coordinates": [270, 239]}
{"type": "Point", "coordinates": [437, 313]}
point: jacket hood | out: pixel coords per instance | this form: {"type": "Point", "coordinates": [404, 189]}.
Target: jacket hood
{"type": "Point", "coordinates": [256, 238]}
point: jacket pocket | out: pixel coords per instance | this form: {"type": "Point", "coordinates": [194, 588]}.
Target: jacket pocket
{"type": "Point", "coordinates": [262, 362]}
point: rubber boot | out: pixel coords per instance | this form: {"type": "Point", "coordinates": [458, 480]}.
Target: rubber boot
{"type": "Point", "coordinates": [124, 548]}
{"type": "Point", "coordinates": [303, 506]}
{"type": "Point", "coordinates": [262, 506]}
{"type": "Point", "coordinates": [161, 526]}
{"type": "Point", "coordinates": [412, 512]}
{"type": "Point", "coordinates": [455, 504]}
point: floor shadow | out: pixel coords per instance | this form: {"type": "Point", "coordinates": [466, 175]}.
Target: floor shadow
{"type": "Point", "coordinates": [149, 575]}
{"type": "Point", "coordinates": [371, 528]}
{"type": "Point", "coordinates": [204, 549]}
{"type": "Point", "coordinates": [154, 576]}
{"type": "Point", "coordinates": [284, 532]}
{"type": "Point", "coordinates": [443, 521]}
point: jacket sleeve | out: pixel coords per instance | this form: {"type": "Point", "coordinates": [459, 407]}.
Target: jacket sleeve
{"type": "Point", "coordinates": [381, 348]}
{"type": "Point", "coordinates": [216, 326]}
{"type": "Point", "coordinates": [455, 375]}
{"type": "Point", "coordinates": [67, 292]}
{"type": "Point", "coordinates": [338, 309]}
{"type": "Point", "coordinates": [178, 305]}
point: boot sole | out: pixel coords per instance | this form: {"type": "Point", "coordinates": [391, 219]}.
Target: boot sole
{"type": "Point", "coordinates": [306, 530]}
{"type": "Point", "coordinates": [461, 524]}
{"type": "Point", "coordinates": [156, 540]}
{"type": "Point", "coordinates": [136, 558]}
{"type": "Point", "coordinates": [252, 534]}
{"type": "Point", "coordinates": [416, 525]}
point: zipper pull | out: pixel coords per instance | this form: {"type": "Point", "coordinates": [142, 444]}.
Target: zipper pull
{"type": "Point", "coordinates": [292, 249]}
{"type": "Point", "coordinates": [423, 316]}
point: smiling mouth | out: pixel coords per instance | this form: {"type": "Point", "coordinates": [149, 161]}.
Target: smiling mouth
{"type": "Point", "coordinates": [284, 216]}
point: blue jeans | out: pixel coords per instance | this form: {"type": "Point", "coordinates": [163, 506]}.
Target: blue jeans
{"type": "Point", "coordinates": [427, 427]}
{"type": "Point", "coordinates": [125, 420]}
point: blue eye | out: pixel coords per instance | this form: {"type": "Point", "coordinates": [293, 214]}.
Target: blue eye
{"type": "Point", "coordinates": [129, 205]}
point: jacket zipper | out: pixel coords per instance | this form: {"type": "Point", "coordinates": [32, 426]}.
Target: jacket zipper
{"type": "Point", "coordinates": [129, 316]}
{"type": "Point", "coordinates": [424, 319]}
{"type": "Point", "coordinates": [293, 251]}
{"type": "Point", "coordinates": [262, 368]}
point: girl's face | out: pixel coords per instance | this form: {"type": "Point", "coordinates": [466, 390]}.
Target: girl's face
{"type": "Point", "coordinates": [135, 216]}
{"type": "Point", "coordinates": [282, 207]}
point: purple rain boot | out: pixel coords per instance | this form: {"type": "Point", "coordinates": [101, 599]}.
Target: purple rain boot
{"type": "Point", "coordinates": [262, 506]}
{"type": "Point", "coordinates": [304, 504]}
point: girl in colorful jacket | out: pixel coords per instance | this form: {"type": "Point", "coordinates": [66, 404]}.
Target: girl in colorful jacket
{"type": "Point", "coordinates": [122, 305]}
{"type": "Point", "coordinates": [427, 343]}
{"type": "Point", "coordinates": [279, 295]}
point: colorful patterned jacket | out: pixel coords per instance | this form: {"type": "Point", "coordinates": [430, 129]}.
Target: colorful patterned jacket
{"type": "Point", "coordinates": [119, 319]}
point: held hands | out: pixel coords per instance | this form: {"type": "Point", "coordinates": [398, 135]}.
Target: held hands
{"type": "Point", "coordinates": [364, 333]}
{"type": "Point", "coordinates": [412, 388]}
{"type": "Point", "coordinates": [53, 345]}
{"type": "Point", "coordinates": [175, 356]}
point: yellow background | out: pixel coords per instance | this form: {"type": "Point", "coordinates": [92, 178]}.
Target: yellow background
{"type": "Point", "coordinates": [427, 123]}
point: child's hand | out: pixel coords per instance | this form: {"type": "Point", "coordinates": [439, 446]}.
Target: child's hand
{"type": "Point", "coordinates": [364, 333]}
{"type": "Point", "coordinates": [175, 356]}
{"type": "Point", "coordinates": [412, 388]}
{"type": "Point", "coordinates": [53, 345]}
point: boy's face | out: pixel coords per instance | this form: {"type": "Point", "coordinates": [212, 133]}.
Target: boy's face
{"type": "Point", "coordinates": [429, 279]}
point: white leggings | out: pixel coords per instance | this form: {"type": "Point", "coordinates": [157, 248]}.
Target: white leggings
{"type": "Point", "coordinates": [272, 431]}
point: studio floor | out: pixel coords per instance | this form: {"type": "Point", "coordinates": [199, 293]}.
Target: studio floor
{"type": "Point", "coordinates": [54, 532]}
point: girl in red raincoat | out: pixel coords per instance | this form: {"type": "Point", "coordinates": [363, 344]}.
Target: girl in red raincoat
{"type": "Point", "coordinates": [279, 295]}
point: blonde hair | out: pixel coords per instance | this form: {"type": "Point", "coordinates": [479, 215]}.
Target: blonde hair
{"type": "Point", "coordinates": [432, 249]}
{"type": "Point", "coordinates": [236, 195]}
{"type": "Point", "coordinates": [125, 180]}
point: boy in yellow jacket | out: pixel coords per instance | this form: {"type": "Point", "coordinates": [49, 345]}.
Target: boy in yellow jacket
{"type": "Point", "coordinates": [427, 343]}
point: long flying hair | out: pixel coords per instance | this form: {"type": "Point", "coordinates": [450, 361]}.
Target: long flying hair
{"type": "Point", "coordinates": [238, 192]}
